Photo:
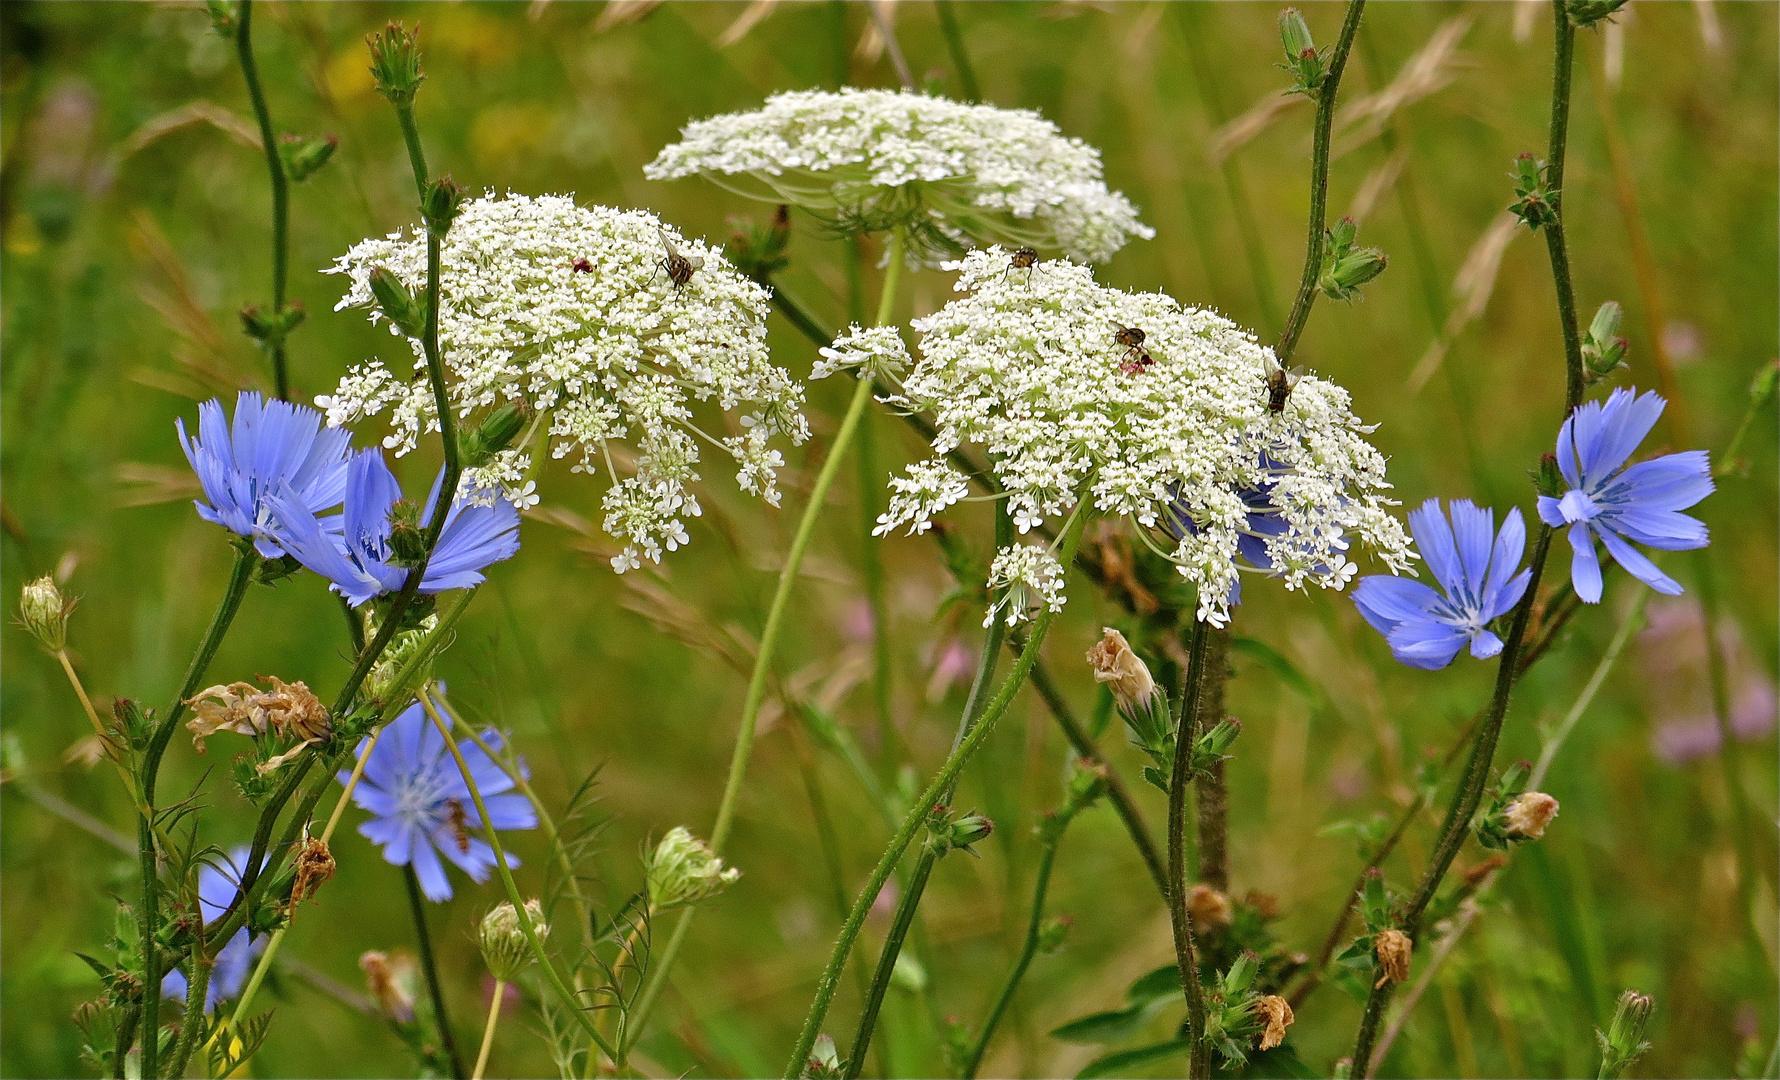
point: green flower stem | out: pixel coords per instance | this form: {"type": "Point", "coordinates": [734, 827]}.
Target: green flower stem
{"type": "Point", "coordinates": [280, 189]}
{"type": "Point", "coordinates": [551, 975]}
{"type": "Point", "coordinates": [916, 886]}
{"type": "Point", "coordinates": [769, 636]}
{"type": "Point", "coordinates": [1562, 63]}
{"type": "Point", "coordinates": [494, 1018]}
{"type": "Point", "coordinates": [1046, 860]}
{"type": "Point", "coordinates": [871, 565]}
{"type": "Point", "coordinates": [917, 816]}
{"type": "Point", "coordinates": [1116, 791]}
{"type": "Point", "coordinates": [428, 965]}
{"type": "Point", "coordinates": [1210, 789]}
{"type": "Point", "coordinates": [246, 561]}
{"type": "Point", "coordinates": [1179, 918]}
{"type": "Point", "coordinates": [1319, 185]}
{"type": "Point", "coordinates": [948, 25]}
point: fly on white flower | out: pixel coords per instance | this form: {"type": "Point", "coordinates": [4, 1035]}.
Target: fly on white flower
{"type": "Point", "coordinates": [1186, 445]}
{"type": "Point", "coordinates": [549, 305]}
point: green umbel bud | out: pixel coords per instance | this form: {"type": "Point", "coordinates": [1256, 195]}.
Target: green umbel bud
{"type": "Point", "coordinates": [1602, 348]}
{"type": "Point", "coordinates": [44, 612]}
{"type": "Point", "coordinates": [1623, 1041]}
{"type": "Point", "coordinates": [1053, 932]}
{"type": "Point", "coordinates": [684, 870]}
{"type": "Point", "coordinates": [494, 435]}
{"type": "Point", "coordinates": [1762, 387]}
{"type": "Point", "coordinates": [385, 682]}
{"type": "Point", "coordinates": [303, 155]}
{"type": "Point", "coordinates": [1588, 12]}
{"type": "Point", "coordinates": [440, 206]}
{"type": "Point", "coordinates": [505, 948]}
{"type": "Point", "coordinates": [1532, 198]}
{"type": "Point", "coordinates": [760, 252]}
{"type": "Point", "coordinates": [397, 302]}
{"type": "Point", "coordinates": [1308, 66]}
{"type": "Point", "coordinates": [395, 63]}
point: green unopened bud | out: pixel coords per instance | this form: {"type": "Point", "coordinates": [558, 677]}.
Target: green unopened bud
{"type": "Point", "coordinates": [505, 948]}
{"type": "Point", "coordinates": [1346, 267]}
{"type": "Point", "coordinates": [1053, 932]}
{"type": "Point", "coordinates": [224, 16]}
{"type": "Point", "coordinates": [1548, 479]}
{"type": "Point", "coordinates": [395, 63]}
{"type": "Point", "coordinates": [1208, 749]}
{"type": "Point", "coordinates": [407, 538]}
{"type": "Point", "coordinates": [684, 870]}
{"type": "Point", "coordinates": [303, 155]}
{"type": "Point", "coordinates": [1762, 387]}
{"type": "Point", "coordinates": [494, 434]}
{"type": "Point", "coordinates": [1588, 12]}
{"type": "Point", "coordinates": [1623, 1041]}
{"type": "Point", "coordinates": [386, 681]}
{"type": "Point", "coordinates": [1602, 347]}
{"type": "Point", "coordinates": [1307, 65]}
{"type": "Point", "coordinates": [397, 302]}
{"type": "Point", "coordinates": [440, 206]}
{"type": "Point", "coordinates": [1532, 197]}
{"type": "Point", "coordinates": [1241, 974]}
{"type": "Point", "coordinates": [1375, 902]}
{"type": "Point", "coordinates": [44, 612]}
{"type": "Point", "coordinates": [825, 1061]}
{"type": "Point", "coordinates": [759, 252]}
{"type": "Point", "coordinates": [946, 833]}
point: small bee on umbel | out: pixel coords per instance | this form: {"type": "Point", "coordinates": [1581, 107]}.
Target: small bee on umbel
{"type": "Point", "coordinates": [1136, 357]}
{"type": "Point", "coordinates": [680, 268]}
{"type": "Point", "coordinates": [581, 264]}
{"type": "Point", "coordinates": [460, 824]}
{"type": "Point", "coordinates": [1279, 384]}
{"type": "Point", "coordinates": [1024, 259]}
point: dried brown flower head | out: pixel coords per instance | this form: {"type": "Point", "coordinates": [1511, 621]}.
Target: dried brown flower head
{"type": "Point", "coordinates": [315, 865]}
{"type": "Point", "coordinates": [289, 709]}
{"type": "Point", "coordinates": [1279, 1017]}
{"type": "Point", "coordinates": [1528, 815]}
{"type": "Point", "coordinates": [1394, 949]}
{"type": "Point", "coordinates": [1116, 665]}
{"type": "Point", "coordinates": [1208, 906]}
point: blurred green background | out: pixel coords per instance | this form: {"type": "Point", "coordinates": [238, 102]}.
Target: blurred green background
{"type": "Point", "coordinates": [136, 223]}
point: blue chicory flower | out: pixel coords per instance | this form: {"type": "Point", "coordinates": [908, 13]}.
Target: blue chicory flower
{"type": "Point", "coordinates": [353, 551]}
{"type": "Point", "coordinates": [272, 446]}
{"type": "Point", "coordinates": [216, 891]}
{"type": "Point", "coordinates": [1425, 629]}
{"type": "Point", "coordinates": [421, 808]}
{"type": "Point", "coordinates": [1619, 504]}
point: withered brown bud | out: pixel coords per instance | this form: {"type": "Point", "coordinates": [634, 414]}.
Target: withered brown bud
{"type": "Point", "coordinates": [1528, 815]}
{"type": "Point", "coordinates": [1208, 906]}
{"type": "Point", "coordinates": [1121, 669]}
{"type": "Point", "coordinates": [1474, 875]}
{"type": "Point", "coordinates": [1279, 1017]}
{"type": "Point", "coordinates": [388, 979]}
{"type": "Point", "coordinates": [1394, 949]}
{"type": "Point", "coordinates": [315, 865]}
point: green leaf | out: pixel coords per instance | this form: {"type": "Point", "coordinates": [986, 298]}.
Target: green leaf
{"type": "Point", "coordinates": [102, 970]}
{"type": "Point", "coordinates": [1160, 984]}
{"type": "Point", "coordinates": [1123, 1062]}
{"type": "Point", "coordinates": [1280, 1062]}
{"type": "Point", "coordinates": [1114, 1026]}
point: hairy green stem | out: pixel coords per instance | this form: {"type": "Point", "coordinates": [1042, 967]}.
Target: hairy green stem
{"type": "Point", "coordinates": [916, 886]}
{"type": "Point", "coordinates": [1034, 924]}
{"type": "Point", "coordinates": [1179, 918]}
{"type": "Point", "coordinates": [1210, 789]}
{"type": "Point", "coordinates": [246, 561]}
{"type": "Point", "coordinates": [1562, 63]}
{"type": "Point", "coordinates": [197, 989]}
{"type": "Point", "coordinates": [552, 976]}
{"type": "Point", "coordinates": [917, 816]}
{"type": "Point", "coordinates": [428, 965]}
{"type": "Point", "coordinates": [1319, 185]}
{"type": "Point", "coordinates": [280, 189]}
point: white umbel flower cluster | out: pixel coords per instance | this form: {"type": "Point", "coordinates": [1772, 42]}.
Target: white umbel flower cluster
{"type": "Point", "coordinates": [1172, 431]}
{"type": "Point", "coordinates": [880, 159]}
{"type": "Point", "coordinates": [878, 352]}
{"type": "Point", "coordinates": [1032, 578]}
{"type": "Point", "coordinates": [571, 311]}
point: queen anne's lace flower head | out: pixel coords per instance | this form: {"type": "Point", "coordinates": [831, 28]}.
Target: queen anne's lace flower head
{"type": "Point", "coordinates": [1174, 431]}
{"type": "Point", "coordinates": [943, 171]}
{"type": "Point", "coordinates": [878, 352]}
{"type": "Point", "coordinates": [568, 310]}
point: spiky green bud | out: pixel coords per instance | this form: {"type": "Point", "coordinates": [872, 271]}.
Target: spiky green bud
{"type": "Point", "coordinates": [505, 948]}
{"type": "Point", "coordinates": [44, 612]}
{"type": "Point", "coordinates": [683, 870]}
